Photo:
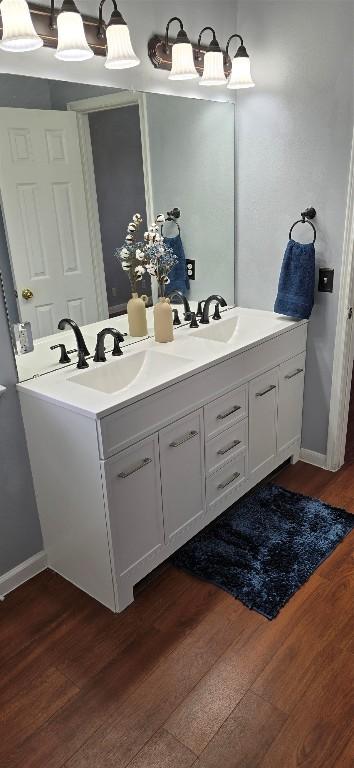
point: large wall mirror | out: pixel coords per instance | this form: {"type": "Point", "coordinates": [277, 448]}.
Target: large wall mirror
{"type": "Point", "coordinates": [76, 163]}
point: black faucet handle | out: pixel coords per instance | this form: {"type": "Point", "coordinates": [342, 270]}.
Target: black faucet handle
{"type": "Point", "coordinates": [200, 308]}
{"type": "Point", "coordinates": [118, 338]}
{"type": "Point", "coordinates": [82, 362]}
{"type": "Point", "coordinates": [216, 315]}
{"type": "Point", "coordinates": [176, 320]}
{"type": "Point", "coordinates": [193, 323]}
{"type": "Point", "coordinates": [64, 357]}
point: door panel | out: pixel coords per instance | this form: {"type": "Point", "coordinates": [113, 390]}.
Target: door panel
{"type": "Point", "coordinates": [134, 503]}
{"type": "Point", "coordinates": [45, 214]}
{"type": "Point", "coordinates": [183, 478]}
{"type": "Point", "coordinates": [291, 393]}
{"type": "Point", "coordinates": [263, 396]}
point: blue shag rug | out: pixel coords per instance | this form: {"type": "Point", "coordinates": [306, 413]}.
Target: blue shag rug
{"type": "Point", "coordinates": [265, 546]}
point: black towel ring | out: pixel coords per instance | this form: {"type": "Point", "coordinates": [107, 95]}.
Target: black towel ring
{"type": "Point", "coordinates": [310, 213]}
{"type": "Point", "coordinates": [172, 216]}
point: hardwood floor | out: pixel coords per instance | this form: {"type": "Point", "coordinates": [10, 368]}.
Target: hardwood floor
{"type": "Point", "coordinates": [186, 676]}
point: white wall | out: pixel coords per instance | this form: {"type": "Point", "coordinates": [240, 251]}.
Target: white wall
{"type": "Point", "coordinates": [294, 133]}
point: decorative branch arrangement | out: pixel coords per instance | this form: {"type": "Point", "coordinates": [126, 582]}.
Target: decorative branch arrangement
{"type": "Point", "coordinates": [152, 255]}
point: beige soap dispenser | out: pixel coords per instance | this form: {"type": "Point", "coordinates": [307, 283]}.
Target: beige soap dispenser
{"type": "Point", "coordinates": [163, 325]}
{"type": "Point", "coordinates": [137, 321]}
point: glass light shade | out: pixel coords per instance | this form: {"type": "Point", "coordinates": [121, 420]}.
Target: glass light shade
{"type": "Point", "coordinates": [183, 67]}
{"type": "Point", "coordinates": [19, 34]}
{"type": "Point", "coordinates": [241, 73]}
{"type": "Point", "coordinates": [213, 72]}
{"type": "Point", "coordinates": [72, 43]}
{"type": "Point", "coordinates": [120, 54]}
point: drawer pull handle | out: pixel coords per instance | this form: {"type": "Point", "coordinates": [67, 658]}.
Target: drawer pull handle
{"type": "Point", "coordinates": [231, 479]}
{"type": "Point", "coordinates": [134, 469]}
{"type": "Point", "coordinates": [295, 373]}
{"type": "Point", "coordinates": [228, 448]}
{"type": "Point", "coordinates": [184, 439]}
{"type": "Point", "coordinates": [265, 391]}
{"type": "Point", "coordinates": [229, 412]}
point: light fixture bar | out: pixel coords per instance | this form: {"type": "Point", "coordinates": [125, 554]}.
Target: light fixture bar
{"type": "Point", "coordinates": [41, 17]}
{"type": "Point", "coordinates": [161, 58]}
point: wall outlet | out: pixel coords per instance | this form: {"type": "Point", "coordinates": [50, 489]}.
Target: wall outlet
{"type": "Point", "coordinates": [190, 263]}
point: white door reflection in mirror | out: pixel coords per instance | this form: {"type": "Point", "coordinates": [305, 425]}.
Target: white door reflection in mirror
{"type": "Point", "coordinates": [44, 205]}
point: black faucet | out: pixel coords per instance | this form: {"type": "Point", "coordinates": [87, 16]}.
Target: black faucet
{"type": "Point", "coordinates": [205, 314]}
{"type": "Point", "coordinates": [99, 356]}
{"type": "Point", "coordinates": [183, 298]}
{"type": "Point", "coordinates": [81, 346]}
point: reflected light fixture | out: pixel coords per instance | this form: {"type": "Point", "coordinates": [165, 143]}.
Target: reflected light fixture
{"type": "Point", "coordinates": [19, 34]}
{"type": "Point", "coordinates": [213, 72]}
{"type": "Point", "coordinates": [120, 53]}
{"type": "Point", "coordinates": [72, 43]}
{"type": "Point", "coordinates": [241, 67]}
{"type": "Point", "coordinates": [183, 67]}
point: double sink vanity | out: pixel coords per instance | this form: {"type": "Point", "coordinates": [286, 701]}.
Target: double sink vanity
{"type": "Point", "coordinates": [132, 457]}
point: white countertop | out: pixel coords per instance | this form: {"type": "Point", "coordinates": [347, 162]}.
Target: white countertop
{"type": "Point", "coordinates": [184, 357]}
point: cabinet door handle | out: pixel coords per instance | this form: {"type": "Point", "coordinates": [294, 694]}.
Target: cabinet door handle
{"type": "Point", "coordinates": [136, 468]}
{"type": "Point", "coordinates": [184, 439]}
{"type": "Point", "coordinates": [294, 373]}
{"type": "Point", "coordinates": [265, 391]}
{"type": "Point", "coordinates": [228, 448]}
{"type": "Point", "coordinates": [230, 480]}
{"type": "Point", "coordinates": [229, 412]}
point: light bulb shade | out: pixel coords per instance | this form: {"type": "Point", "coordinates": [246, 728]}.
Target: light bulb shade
{"type": "Point", "coordinates": [213, 72]}
{"type": "Point", "coordinates": [183, 67]}
{"type": "Point", "coordinates": [18, 33]}
{"type": "Point", "coordinates": [72, 43]}
{"type": "Point", "coordinates": [120, 53]}
{"type": "Point", "coordinates": [241, 73]}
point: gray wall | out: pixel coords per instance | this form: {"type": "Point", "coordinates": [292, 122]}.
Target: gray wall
{"type": "Point", "coordinates": [20, 535]}
{"type": "Point", "coordinates": [192, 163]}
{"type": "Point", "coordinates": [118, 163]}
{"type": "Point", "coordinates": [294, 139]}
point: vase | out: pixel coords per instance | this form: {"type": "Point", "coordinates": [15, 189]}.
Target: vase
{"type": "Point", "coordinates": [137, 321]}
{"type": "Point", "coordinates": [163, 325]}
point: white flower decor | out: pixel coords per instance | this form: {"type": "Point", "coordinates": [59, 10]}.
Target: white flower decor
{"type": "Point", "coordinates": [132, 254]}
{"type": "Point", "coordinates": [161, 258]}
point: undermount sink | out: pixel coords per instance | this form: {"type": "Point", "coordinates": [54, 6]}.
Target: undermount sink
{"type": "Point", "coordinates": [222, 330]}
{"type": "Point", "coordinates": [150, 366]}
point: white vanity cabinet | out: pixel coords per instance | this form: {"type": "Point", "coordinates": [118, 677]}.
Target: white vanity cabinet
{"type": "Point", "coordinates": [119, 491]}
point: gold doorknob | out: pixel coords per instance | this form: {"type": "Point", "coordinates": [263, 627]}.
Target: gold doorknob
{"type": "Point", "coordinates": [27, 294]}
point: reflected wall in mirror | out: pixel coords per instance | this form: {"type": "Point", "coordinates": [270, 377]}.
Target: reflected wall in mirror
{"type": "Point", "coordinates": [76, 163]}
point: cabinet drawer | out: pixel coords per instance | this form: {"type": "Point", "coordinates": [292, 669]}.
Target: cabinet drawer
{"type": "Point", "coordinates": [225, 411]}
{"type": "Point", "coordinates": [222, 484]}
{"type": "Point", "coordinates": [223, 447]}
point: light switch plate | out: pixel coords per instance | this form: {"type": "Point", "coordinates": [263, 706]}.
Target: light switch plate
{"type": "Point", "coordinates": [325, 280]}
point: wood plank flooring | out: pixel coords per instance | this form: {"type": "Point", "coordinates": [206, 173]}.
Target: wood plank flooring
{"type": "Point", "coordinates": [186, 676]}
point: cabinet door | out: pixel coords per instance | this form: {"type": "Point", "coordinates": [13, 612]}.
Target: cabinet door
{"type": "Point", "coordinates": [183, 478]}
{"type": "Point", "coordinates": [291, 393]}
{"type": "Point", "coordinates": [263, 397]}
{"type": "Point", "coordinates": [134, 505]}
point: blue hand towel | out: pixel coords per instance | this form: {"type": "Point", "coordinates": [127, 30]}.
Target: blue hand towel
{"type": "Point", "coordinates": [296, 288]}
{"type": "Point", "coordinates": [179, 280]}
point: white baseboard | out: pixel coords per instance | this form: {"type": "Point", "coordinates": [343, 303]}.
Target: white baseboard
{"type": "Point", "coordinates": [312, 457]}
{"type": "Point", "coordinates": [22, 572]}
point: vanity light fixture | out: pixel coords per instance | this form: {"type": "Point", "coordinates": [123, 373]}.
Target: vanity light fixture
{"type": "Point", "coordinates": [183, 67]}
{"type": "Point", "coordinates": [120, 53]}
{"type": "Point", "coordinates": [72, 43]}
{"type": "Point", "coordinates": [213, 71]}
{"type": "Point", "coordinates": [19, 34]}
{"type": "Point", "coordinates": [241, 68]}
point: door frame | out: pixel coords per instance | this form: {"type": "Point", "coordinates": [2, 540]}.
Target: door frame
{"type": "Point", "coordinates": [83, 108]}
{"type": "Point", "coordinates": [344, 342]}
